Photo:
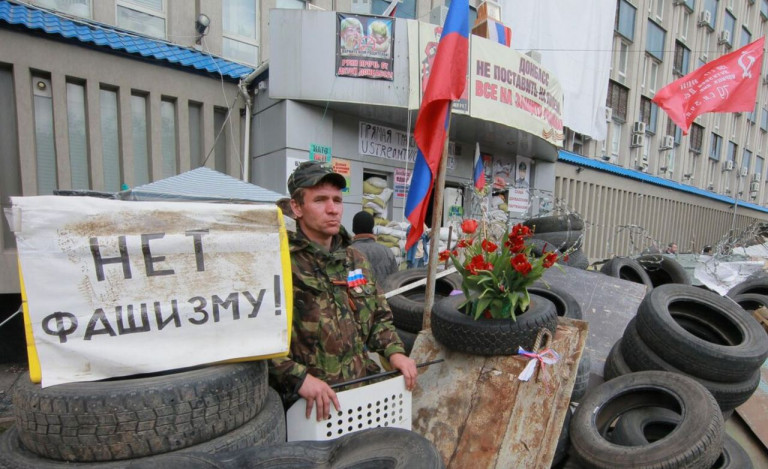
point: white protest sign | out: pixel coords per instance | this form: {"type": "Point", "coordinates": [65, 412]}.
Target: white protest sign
{"type": "Point", "coordinates": [118, 288]}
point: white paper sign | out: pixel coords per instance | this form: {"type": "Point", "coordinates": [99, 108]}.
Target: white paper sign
{"type": "Point", "coordinates": [118, 288]}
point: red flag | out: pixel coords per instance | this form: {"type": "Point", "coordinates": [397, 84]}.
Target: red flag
{"type": "Point", "coordinates": [727, 84]}
{"type": "Point", "coordinates": [447, 80]}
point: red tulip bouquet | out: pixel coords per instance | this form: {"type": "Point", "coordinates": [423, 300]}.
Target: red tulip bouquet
{"type": "Point", "coordinates": [495, 278]}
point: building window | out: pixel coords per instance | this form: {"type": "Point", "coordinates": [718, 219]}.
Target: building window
{"type": "Point", "coordinates": [110, 140]}
{"type": "Point", "coordinates": [685, 24]}
{"type": "Point", "coordinates": [143, 16]}
{"type": "Point", "coordinates": [764, 9]}
{"type": "Point", "coordinates": [764, 120]}
{"type": "Point", "coordinates": [81, 8]}
{"type": "Point", "coordinates": [615, 138]}
{"type": "Point", "coordinates": [746, 159]}
{"type": "Point", "coordinates": [405, 9]}
{"type": "Point", "coordinates": [45, 149]}
{"type": "Point", "coordinates": [141, 164]}
{"type": "Point", "coordinates": [696, 138]}
{"type": "Point", "coordinates": [759, 162]}
{"type": "Point", "coordinates": [653, 76]}
{"type": "Point", "coordinates": [241, 31]}
{"type": "Point", "coordinates": [711, 7]}
{"type": "Point", "coordinates": [654, 43]}
{"type": "Point", "coordinates": [729, 27]}
{"type": "Point", "coordinates": [77, 129]}
{"type": "Point", "coordinates": [746, 37]}
{"type": "Point", "coordinates": [196, 135]}
{"type": "Point", "coordinates": [623, 55]}
{"type": "Point", "coordinates": [675, 131]}
{"type": "Point", "coordinates": [715, 147]}
{"type": "Point", "coordinates": [731, 153]}
{"type": "Point", "coordinates": [659, 9]}
{"type": "Point", "coordinates": [625, 19]}
{"type": "Point", "coordinates": [10, 176]}
{"type": "Point", "coordinates": [168, 137]}
{"type": "Point", "coordinates": [682, 58]}
{"type": "Point", "coordinates": [648, 114]}
{"type": "Point", "coordinates": [617, 100]}
{"type": "Point", "coordinates": [220, 145]}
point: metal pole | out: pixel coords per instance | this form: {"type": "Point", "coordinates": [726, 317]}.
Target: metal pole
{"type": "Point", "coordinates": [736, 200]}
{"type": "Point", "coordinates": [382, 374]}
{"type": "Point", "coordinates": [437, 212]}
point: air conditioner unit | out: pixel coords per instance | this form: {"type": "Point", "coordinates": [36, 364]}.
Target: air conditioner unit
{"type": "Point", "coordinates": [710, 185]}
{"type": "Point", "coordinates": [754, 186]}
{"type": "Point", "coordinates": [756, 177]}
{"type": "Point", "coordinates": [606, 157]}
{"type": "Point", "coordinates": [705, 18]}
{"type": "Point", "coordinates": [667, 142]}
{"type": "Point", "coordinates": [315, 7]}
{"type": "Point", "coordinates": [744, 171]}
{"type": "Point", "coordinates": [662, 169]}
{"type": "Point", "coordinates": [638, 127]}
{"type": "Point", "coordinates": [638, 140]}
{"type": "Point", "coordinates": [724, 38]}
{"type": "Point", "coordinates": [609, 114]}
{"type": "Point", "coordinates": [728, 165]}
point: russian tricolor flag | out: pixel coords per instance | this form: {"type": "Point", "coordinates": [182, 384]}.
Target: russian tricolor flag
{"type": "Point", "coordinates": [479, 175]}
{"type": "Point", "coordinates": [499, 33]}
{"type": "Point", "coordinates": [447, 80]}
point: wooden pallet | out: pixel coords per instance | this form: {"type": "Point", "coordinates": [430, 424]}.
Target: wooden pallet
{"type": "Point", "coordinates": [477, 412]}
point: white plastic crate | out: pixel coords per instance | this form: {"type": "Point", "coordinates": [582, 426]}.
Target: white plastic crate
{"type": "Point", "coordinates": [383, 404]}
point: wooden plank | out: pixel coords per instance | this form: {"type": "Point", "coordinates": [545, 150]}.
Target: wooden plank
{"type": "Point", "coordinates": [478, 414]}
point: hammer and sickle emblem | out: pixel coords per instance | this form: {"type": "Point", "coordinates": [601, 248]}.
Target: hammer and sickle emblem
{"type": "Point", "coordinates": [746, 66]}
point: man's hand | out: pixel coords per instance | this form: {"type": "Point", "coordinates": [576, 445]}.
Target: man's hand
{"type": "Point", "coordinates": [407, 367]}
{"type": "Point", "coordinates": [316, 391]}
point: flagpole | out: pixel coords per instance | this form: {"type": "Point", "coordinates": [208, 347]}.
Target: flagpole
{"type": "Point", "coordinates": [434, 240]}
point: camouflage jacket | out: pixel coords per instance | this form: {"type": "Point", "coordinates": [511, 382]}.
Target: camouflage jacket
{"type": "Point", "coordinates": [333, 325]}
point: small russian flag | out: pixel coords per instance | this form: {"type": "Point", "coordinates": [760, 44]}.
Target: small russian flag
{"type": "Point", "coordinates": [355, 278]}
{"type": "Point", "coordinates": [479, 175]}
{"type": "Point", "coordinates": [499, 33]}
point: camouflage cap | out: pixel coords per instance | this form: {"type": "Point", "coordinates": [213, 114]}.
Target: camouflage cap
{"type": "Point", "coordinates": [312, 173]}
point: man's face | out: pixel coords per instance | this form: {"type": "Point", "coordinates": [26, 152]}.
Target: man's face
{"type": "Point", "coordinates": [320, 213]}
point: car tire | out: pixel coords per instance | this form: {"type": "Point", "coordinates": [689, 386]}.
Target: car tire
{"type": "Point", "coordinates": [462, 333]}
{"type": "Point", "coordinates": [267, 428]}
{"type": "Point", "coordinates": [663, 269]}
{"type": "Point", "coordinates": [639, 357]}
{"type": "Point", "coordinates": [740, 346]}
{"type": "Point", "coordinates": [570, 222]}
{"type": "Point", "coordinates": [626, 269]}
{"type": "Point", "coordinates": [131, 418]}
{"type": "Point", "coordinates": [697, 442]}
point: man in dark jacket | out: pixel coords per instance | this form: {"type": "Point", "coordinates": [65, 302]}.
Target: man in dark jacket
{"type": "Point", "coordinates": [338, 313]}
{"type": "Point", "coordinates": [382, 258]}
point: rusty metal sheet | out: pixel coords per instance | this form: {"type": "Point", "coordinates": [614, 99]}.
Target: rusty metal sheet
{"type": "Point", "coordinates": [754, 412]}
{"type": "Point", "coordinates": [478, 414]}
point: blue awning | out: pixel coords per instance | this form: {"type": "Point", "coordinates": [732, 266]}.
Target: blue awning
{"type": "Point", "coordinates": [573, 158]}
{"type": "Point", "coordinates": [108, 37]}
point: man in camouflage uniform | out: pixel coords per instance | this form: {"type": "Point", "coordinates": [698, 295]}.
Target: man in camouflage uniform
{"type": "Point", "coordinates": [338, 313]}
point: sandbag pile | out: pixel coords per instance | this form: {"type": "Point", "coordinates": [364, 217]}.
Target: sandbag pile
{"type": "Point", "coordinates": [393, 235]}
{"type": "Point", "coordinates": [376, 197]}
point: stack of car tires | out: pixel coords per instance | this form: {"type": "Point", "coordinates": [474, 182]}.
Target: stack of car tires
{"type": "Point", "coordinates": [564, 233]}
{"type": "Point", "coordinates": [697, 333]}
{"type": "Point", "coordinates": [112, 423]}
{"type": "Point", "coordinates": [627, 269]}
